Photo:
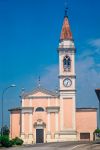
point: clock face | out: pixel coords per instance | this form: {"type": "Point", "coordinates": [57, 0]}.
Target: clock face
{"type": "Point", "coordinates": [67, 82]}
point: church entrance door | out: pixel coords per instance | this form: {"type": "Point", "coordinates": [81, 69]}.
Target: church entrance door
{"type": "Point", "coordinates": [39, 135]}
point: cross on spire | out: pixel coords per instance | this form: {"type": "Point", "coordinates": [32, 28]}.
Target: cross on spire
{"type": "Point", "coordinates": [39, 81]}
{"type": "Point", "coordinates": [66, 9]}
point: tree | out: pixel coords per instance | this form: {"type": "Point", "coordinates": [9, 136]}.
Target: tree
{"type": "Point", "coordinates": [6, 130]}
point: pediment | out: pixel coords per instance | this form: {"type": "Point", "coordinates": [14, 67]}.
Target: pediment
{"type": "Point", "coordinates": [40, 92]}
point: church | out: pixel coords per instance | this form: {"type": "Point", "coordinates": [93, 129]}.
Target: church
{"type": "Point", "coordinates": [49, 116]}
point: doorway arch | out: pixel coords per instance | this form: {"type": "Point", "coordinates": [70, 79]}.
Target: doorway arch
{"type": "Point", "coordinates": [39, 128]}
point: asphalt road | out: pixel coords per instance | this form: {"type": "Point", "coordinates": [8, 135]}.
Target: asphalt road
{"type": "Point", "coordinates": [59, 146]}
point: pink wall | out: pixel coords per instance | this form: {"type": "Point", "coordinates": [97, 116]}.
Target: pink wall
{"type": "Point", "coordinates": [14, 125]}
{"type": "Point", "coordinates": [86, 121]}
{"type": "Point", "coordinates": [40, 102]}
{"type": "Point", "coordinates": [68, 110]}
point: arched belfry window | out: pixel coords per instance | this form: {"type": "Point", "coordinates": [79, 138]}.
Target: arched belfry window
{"type": "Point", "coordinates": [39, 109]}
{"type": "Point", "coordinates": [67, 63]}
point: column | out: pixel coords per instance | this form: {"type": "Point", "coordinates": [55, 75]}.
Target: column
{"type": "Point", "coordinates": [56, 124]}
{"type": "Point", "coordinates": [56, 101]}
{"type": "Point", "coordinates": [22, 125]}
{"type": "Point", "coordinates": [22, 122]}
{"type": "Point", "coordinates": [48, 129]}
{"type": "Point", "coordinates": [30, 128]}
{"type": "Point", "coordinates": [30, 102]}
{"type": "Point", "coordinates": [30, 123]}
{"type": "Point", "coordinates": [48, 122]}
{"type": "Point", "coordinates": [61, 114]}
{"type": "Point", "coordinates": [74, 111]}
{"type": "Point", "coordinates": [48, 102]}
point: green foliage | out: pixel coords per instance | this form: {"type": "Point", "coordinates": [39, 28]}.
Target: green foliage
{"type": "Point", "coordinates": [6, 130]}
{"type": "Point", "coordinates": [5, 142]}
{"type": "Point", "coordinates": [17, 141]}
{"type": "Point", "coordinates": [97, 130]}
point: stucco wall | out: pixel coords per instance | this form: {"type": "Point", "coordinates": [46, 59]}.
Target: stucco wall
{"type": "Point", "coordinates": [15, 124]}
{"type": "Point", "coordinates": [86, 122]}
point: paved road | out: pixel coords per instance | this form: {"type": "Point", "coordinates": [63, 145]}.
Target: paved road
{"type": "Point", "coordinates": [59, 146]}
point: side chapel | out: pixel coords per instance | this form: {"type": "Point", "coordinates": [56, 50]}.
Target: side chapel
{"type": "Point", "coordinates": [48, 116]}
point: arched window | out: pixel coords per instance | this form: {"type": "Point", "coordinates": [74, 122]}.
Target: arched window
{"type": "Point", "coordinates": [39, 109]}
{"type": "Point", "coordinates": [67, 63]}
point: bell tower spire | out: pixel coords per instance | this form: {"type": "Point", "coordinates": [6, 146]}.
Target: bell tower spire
{"type": "Point", "coordinates": [66, 32]}
{"type": "Point", "coordinates": [67, 77]}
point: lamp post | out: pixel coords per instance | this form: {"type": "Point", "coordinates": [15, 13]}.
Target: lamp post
{"type": "Point", "coordinates": [12, 85]}
{"type": "Point", "coordinates": [98, 95]}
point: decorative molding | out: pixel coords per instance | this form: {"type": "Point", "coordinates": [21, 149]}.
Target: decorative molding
{"type": "Point", "coordinates": [68, 90]}
{"type": "Point", "coordinates": [42, 97]}
{"type": "Point", "coordinates": [53, 109]}
{"type": "Point", "coordinates": [86, 109]}
{"type": "Point", "coordinates": [61, 40]}
{"type": "Point", "coordinates": [71, 50]}
{"type": "Point", "coordinates": [39, 125]}
{"type": "Point", "coordinates": [68, 132]}
{"type": "Point", "coordinates": [67, 76]}
{"type": "Point", "coordinates": [27, 109]}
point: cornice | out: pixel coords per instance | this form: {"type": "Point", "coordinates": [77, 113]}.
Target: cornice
{"type": "Point", "coordinates": [89, 109]}
{"type": "Point", "coordinates": [67, 76]}
{"type": "Point", "coordinates": [73, 50]}
{"type": "Point", "coordinates": [53, 109]}
{"type": "Point", "coordinates": [40, 97]}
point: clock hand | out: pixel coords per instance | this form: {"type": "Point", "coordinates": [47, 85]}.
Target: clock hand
{"type": "Point", "coordinates": [67, 82]}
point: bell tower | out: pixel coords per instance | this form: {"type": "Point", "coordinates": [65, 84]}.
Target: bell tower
{"type": "Point", "coordinates": [67, 79]}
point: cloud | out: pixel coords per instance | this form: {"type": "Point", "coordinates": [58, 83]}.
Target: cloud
{"type": "Point", "coordinates": [95, 43]}
{"type": "Point", "coordinates": [88, 78]}
{"type": "Point", "coordinates": [49, 77]}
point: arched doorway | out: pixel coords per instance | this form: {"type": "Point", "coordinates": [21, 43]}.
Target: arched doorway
{"type": "Point", "coordinates": [39, 126]}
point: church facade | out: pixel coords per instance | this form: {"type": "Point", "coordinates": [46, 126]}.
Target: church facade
{"type": "Point", "coordinates": [47, 116]}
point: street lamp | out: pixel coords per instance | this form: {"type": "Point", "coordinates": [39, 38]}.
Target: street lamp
{"type": "Point", "coordinates": [12, 85]}
{"type": "Point", "coordinates": [98, 95]}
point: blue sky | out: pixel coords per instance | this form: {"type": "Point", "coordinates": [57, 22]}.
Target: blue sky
{"type": "Point", "coordinates": [29, 37]}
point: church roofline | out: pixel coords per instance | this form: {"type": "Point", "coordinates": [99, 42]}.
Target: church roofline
{"type": "Point", "coordinates": [20, 108]}
{"type": "Point", "coordinates": [82, 109]}
{"type": "Point", "coordinates": [15, 109]}
{"type": "Point", "coordinates": [41, 89]}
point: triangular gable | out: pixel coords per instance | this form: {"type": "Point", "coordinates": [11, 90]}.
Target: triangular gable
{"type": "Point", "coordinates": [40, 92]}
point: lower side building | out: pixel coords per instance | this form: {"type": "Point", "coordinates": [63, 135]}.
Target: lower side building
{"type": "Point", "coordinates": [44, 117]}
